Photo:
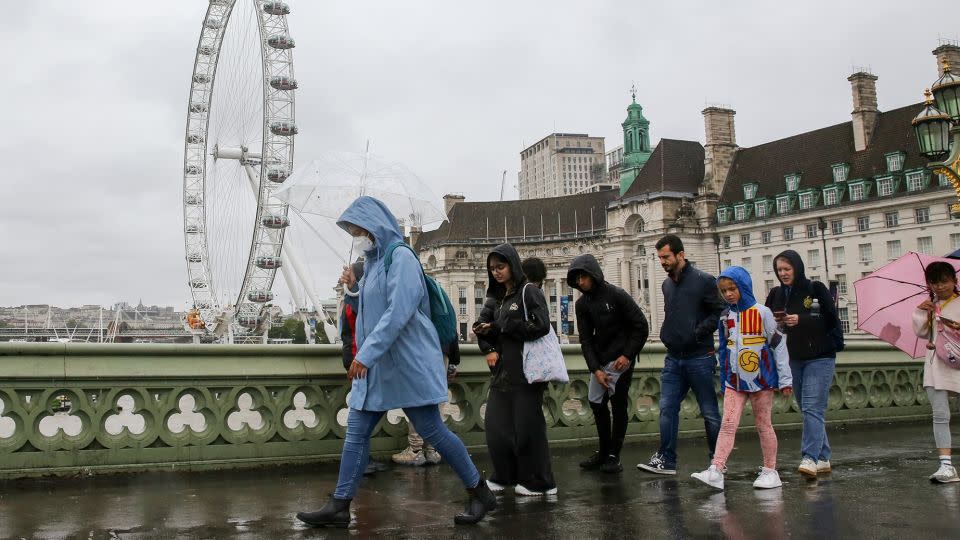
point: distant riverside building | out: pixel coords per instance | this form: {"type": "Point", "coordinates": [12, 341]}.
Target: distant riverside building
{"type": "Point", "coordinates": [561, 164]}
{"type": "Point", "coordinates": [848, 198]}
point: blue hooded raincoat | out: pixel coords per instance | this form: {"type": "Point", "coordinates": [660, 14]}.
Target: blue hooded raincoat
{"type": "Point", "coordinates": [395, 338]}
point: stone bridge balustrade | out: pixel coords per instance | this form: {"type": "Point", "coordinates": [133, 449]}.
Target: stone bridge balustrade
{"type": "Point", "coordinates": [83, 408]}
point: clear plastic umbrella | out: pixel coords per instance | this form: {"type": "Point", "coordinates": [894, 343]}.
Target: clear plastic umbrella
{"type": "Point", "coordinates": [326, 187]}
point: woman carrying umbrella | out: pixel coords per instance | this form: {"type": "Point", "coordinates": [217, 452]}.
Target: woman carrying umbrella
{"type": "Point", "coordinates": [935, 320]}
{"type": "Point", "coordinates": [398, 365]}
{"type": "Point", "coordinates": [806, 310]}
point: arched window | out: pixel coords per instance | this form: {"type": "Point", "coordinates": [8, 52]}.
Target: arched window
{"type": "Point", "coordinates": [639, 226]}
{"type": "Point", "coordinates": [629, 143]}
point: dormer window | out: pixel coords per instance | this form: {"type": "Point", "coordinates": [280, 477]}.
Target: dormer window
{"type": "Point", "coordinates": [884, 186]}
{"type": "Point", "coordinates": [723, 214]}
{"type": "Point", "coordinates": [894, 162]}
{"type": "Point", "coordinates": [783, 204]}
{"type": "Point", "coordinates": [806, 200]}
{"type": "Point", "coordinates": [760, 209]}
{"type": "Point", "coordinates": [840, 172]}
{"type": "Point", "coordinates": [793, 181]}
{"type": "Point", "coordinates": [749, 191]}
{"type": "Point", "coordinates": [916, 181]}
{"type": "Point", "coordinates": [859, 190]}
{"type": "Point", "coordinates": [831, 196]}
{"type": "Point", "coordinates": [739, 212]}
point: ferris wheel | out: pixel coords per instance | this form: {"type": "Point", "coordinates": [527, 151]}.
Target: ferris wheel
{"type": "Point", "coordinates": [238, 150]}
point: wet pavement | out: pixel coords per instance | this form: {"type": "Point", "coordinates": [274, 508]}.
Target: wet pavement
{"type": "Point", "coordinates": [879, 489]}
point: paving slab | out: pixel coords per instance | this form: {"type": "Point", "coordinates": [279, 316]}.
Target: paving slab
{"type": "Point", "coordinates": [878, 489]}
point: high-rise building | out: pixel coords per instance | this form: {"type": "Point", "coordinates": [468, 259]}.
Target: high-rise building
{"type": "Point", "coordinates": [561, 164]}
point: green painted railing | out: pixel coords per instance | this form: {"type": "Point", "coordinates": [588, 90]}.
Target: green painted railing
{"type": "Point", "coordinates": [83, 408]}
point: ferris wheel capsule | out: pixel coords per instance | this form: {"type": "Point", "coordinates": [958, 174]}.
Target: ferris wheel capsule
{"type": "Point", "coordinates": [268, 262]}
{"type": "Point", "coordinates": [281, 42]}
{"type": "Point", "coordinates": [277, 174]}
{"type": "Point", "coordinates": [248, 321]}
{"type": "Point", "coordinates": [272, 221]}
{"type": "Point", "coordinates": [282, 82]}
{"type": "Point", "coordinates": [283, 129]}
{"type": "Point", "coordinates": [276, 8]}
{"type": "Point", "coordinates": [260, 296]}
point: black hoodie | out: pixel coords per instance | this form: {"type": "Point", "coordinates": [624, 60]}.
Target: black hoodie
{"type": "Point", "coordinates": [609, 321]}
{"type": "Point", "coordinates": [504, 310]}
{"type": "Point", "coordinates": [812, 337]}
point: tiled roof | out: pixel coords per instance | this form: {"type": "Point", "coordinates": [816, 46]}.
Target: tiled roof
{"type": "Point", "coordinates": [673, 166]}
{"type": "Point", "coordinates": [483, 221]}
{"type": "Point", "coordinates": [813, 153]}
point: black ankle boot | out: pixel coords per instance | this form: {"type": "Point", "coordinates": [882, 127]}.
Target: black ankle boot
{"type": "Point", "coordinates": [481, 501]}
{"type": "Point", "coordinates": [336, 513]}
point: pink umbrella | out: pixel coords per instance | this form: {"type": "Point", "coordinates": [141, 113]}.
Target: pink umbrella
{"type": "Point", "coordinates": [887, 298]}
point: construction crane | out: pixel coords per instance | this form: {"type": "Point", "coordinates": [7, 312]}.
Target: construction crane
{"type": "Point", "coordinates": [503, 183]}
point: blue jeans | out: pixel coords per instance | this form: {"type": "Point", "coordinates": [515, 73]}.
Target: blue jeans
{"type": "Point", "coordinates": [811, 386]}
{"type": "Point", "coordinates": [427, 421]}
{"type": "Point", "coordinates": [677, 378]}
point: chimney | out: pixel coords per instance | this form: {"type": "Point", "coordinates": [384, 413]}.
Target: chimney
{"type": "Point", "coordinates": [947, 52]}
{"type": "Point", "coordinates": [865, 112]}
{"type": "Point", "coordinates": [414, 234]}
{"type": "Point", "coordinates": [449, 200]}
{"type": "Point", "coordinates": [721, 144]}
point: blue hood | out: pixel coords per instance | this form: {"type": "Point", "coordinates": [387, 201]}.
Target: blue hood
{"type": "Point", "coordinates": [374, 216]}
{"type": "Point", "coordinates": [741, 277]}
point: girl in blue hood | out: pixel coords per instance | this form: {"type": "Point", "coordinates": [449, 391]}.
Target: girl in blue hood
{"type": "Point", "coordinates": [398, 365]}
{"type": "Point", "coordinates": [754, 364]}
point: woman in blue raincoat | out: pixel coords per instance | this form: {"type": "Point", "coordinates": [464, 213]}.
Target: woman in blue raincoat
{"type": "Point", "coordinates": [399, 364]}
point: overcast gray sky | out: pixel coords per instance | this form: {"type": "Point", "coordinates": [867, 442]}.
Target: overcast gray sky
{"type": "Point", "coordinates": [95, 99]}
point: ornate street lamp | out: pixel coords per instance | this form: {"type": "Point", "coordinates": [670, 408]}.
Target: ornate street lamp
{"type": "Point", "coordinates": [937, 124]}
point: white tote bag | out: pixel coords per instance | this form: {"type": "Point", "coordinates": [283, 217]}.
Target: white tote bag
{"type": "Point", "coordinates": [542, 358]}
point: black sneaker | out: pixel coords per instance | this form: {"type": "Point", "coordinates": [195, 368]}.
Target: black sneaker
{"type": "Point", "coordinates": [611, 465]}
{"type": "Point", "coordinates": [593, 462]}
{"type": "Point", "coordinates": [657, 465]}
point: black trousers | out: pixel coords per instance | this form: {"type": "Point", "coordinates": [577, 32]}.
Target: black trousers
{"type": "Point", "coordinates": [517, 438]}
{"type": "Point", "coordinates": [611, 438]}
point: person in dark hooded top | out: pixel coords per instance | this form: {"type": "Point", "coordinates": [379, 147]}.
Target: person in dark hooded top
{"type": "Point", "coordinates": [516, 430]}
{"type": "Point", "coordinates": [612, 332]}
{"type": "Point", "coordinates": [809, 318]}
{"type": "Point", "coordinates": [348, 316]}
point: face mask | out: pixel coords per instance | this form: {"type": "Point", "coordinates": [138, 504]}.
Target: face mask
{"type": "Point", "coordinates": [362, 244]}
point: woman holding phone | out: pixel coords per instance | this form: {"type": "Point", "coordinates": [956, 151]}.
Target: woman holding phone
{"type": "Point", "coordinates": [806, 311]}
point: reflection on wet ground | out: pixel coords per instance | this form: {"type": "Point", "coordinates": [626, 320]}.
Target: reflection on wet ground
{"type": "Point", "coordinates": [879, 489]}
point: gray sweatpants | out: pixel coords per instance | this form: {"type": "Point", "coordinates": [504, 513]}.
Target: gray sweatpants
{"type": "Point", "coordinates": [941, 416]}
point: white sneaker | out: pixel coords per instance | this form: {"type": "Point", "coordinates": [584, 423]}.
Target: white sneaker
{"type": "Point", "coordinates": [767, 479]}
{"type": "Point", "coordinates": [524, 492]}
{"type": "Point", "coordinates": [408, 457]}
{"type": "Point", "coordinates": [945, 474]}
{"type": "Point", "coordinates": [808, 467]}
{"type": "Point", "coordinates": [431, 456]}
{"type": "Point", "coordinates": [495, 487]}
{"type": "Point", "coordinates": [823, 466]}
{"type": "Point", "coordinates": [712, 477]}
